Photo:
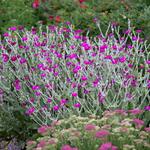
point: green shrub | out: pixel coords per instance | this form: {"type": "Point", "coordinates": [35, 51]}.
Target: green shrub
{"type": "Point", "coordinates": [14, 124]}
{"type": "Point", "coordinates": [82, 14]}
{"type": "Point", "coordinates": [17, 12]}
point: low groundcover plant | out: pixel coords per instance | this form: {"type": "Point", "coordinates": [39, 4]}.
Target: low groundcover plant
{"type": "Point", "coordinates": [57, 72]}
{"type": "Point", "coordinates": [115, 130]}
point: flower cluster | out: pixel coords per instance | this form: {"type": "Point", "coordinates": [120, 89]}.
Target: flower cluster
{"type": "Point", "coordinates": [114, 130]}
{"type": "Point", "coordinates": [60, 71]}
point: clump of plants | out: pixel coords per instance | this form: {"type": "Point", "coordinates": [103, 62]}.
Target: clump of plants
{"type": "Point", "coordinates": [114, 130]}
{"type": "Point", "coordinates": [60, 72]}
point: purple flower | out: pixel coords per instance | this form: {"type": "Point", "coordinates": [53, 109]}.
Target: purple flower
{"type": "Point", "coordinates": [13, 58]}
{"type": "Point", "coordinates": [30, 111]}
{"type": "Point", "coordinates": [77, 105]}
{"type": "Point", "coordinates": [148, 62]}
{"type": "Point", "coordinates": [72, 56]}
{"type": "Point", "coordinates": [122, 59]}
{"type": "Point", "coordinates": [35, 87]}
{"type": "Point", "coordinates": [83, 78]}
{"type": "Point", "coordinates": [147, 108]}
{"type": "Point", "coordinates": [6, 34]}
{"type": "Point", "coordinates": [86, 46]}
{"type": "Point", "coordinates": [76, 69]}
{"type": "Point", "coordinates": [5, 57]}
{"type": "Point", "coordinates": [13, 28]}
{"type": "Point", "coordinates": [56, 108]}
{"type": "Point", "coordinates": [103, 48]}
{"type": "Point", "coordinates": [138, 31]}
{"type": "Point", "coordinates": [17, 85]}
{"type": "Point", "coordinates": [38, 93]}
{"type": "Point", "coordinates": [74, 94]}
{"type": "Point", "coordinates": [49, 100]}
{"type": "Point", "coordinates": [23, 60]}
{"type": "Point", "coordinates": [24, 38]}
{"type": "Point", "coordinates": [63, 101]}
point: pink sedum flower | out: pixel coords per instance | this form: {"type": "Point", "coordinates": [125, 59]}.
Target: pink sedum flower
{"type": "Point", "coordinates": [135, 111]}
{"type": "Point", "coordinates": [102, 133]}
{"type": "Point", "coordinates": [107, 146]}
{"type": "Point", "coordinates": [89, 127]}
{"type": "Point", "coordinates": [139, 123]}
{"type": "Point", "coordinates": [42, 129]}
{"type": "Point", "coordinates": [66, 147]}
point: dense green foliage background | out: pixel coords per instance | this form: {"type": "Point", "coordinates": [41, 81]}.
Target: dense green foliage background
{"type": "Point", "coordinates": [20, 12]}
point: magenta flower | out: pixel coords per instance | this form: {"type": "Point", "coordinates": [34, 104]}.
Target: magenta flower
{"type": "Point", "coordinates": [30, 111]}
{"type": "Point", "coordinates": [43, 75]}
{"type": "Point", "coordinates": [147, 108]}
{"type": "Point", "coordinates": [13, 28]}
{"type": "Point", "coordinates": [148, 62]}
{"type": "Point", "coordinates": [13, 58]}
{"type": "Point", "coordinates": [63, 101]}
{"type": "Point", "coordinates": [56, 108]}
{"type": "Point", "coordinates": [38, 93]}
{"type": "Point", "coordinates": [88, 62]}
{"type": "Point", "coordinates": [17, 84]}
{"type": "Point", "coordinates": [49, 100]}
{"type": "Point", "coordinates": [23, 60]}
{"type": "Point", "coordinates": [108, 57]}
{"type": "Point", "coordinates": [76, 69]}
{"type": "Point", "coordinates": [102, 133]}
{"type": "Point", "coordinates": [115, 61]}
{"type": "Point", "coordinates": [107, 146]}
{"type": "Point", "coordinates": [103, 48]}
{"type": "Point", "coordinates": [73, 85]}
{"type": "Point", "coordinates": [83, 78]}
{"type": "Point", "coordinates": [24, 38]}
{"type": "Point", "coordinates": [122, 59]}
{"type": "Point", "coordinates": [86, 46]}
{"type": "Point", "coordinates": [138, 31]}
{"type": "Point", "coordinates": [134, 38]}
{"type": "Point", "coordinates": [5, 57]}
{"type": "Point", "coordinates": [95, 82]}
{"type": "Point", "coordinates": [77, 105]}
{"type": "Point", "coordinates": [6, 34]}
{"type": "Point", "coordinates": [74, 94]}
{"type": "Point", "coordinates": [127, 31]}
{"type": "Point", "coordinates": [114, 47]}
{"type": "Point", "coordinates": [35, 87]}
{"type": "Point", "coordinates": [72, 56]}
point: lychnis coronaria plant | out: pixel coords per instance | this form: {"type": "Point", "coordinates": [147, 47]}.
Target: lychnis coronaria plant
{"type": "Point", "coordinates": [58, 71]}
